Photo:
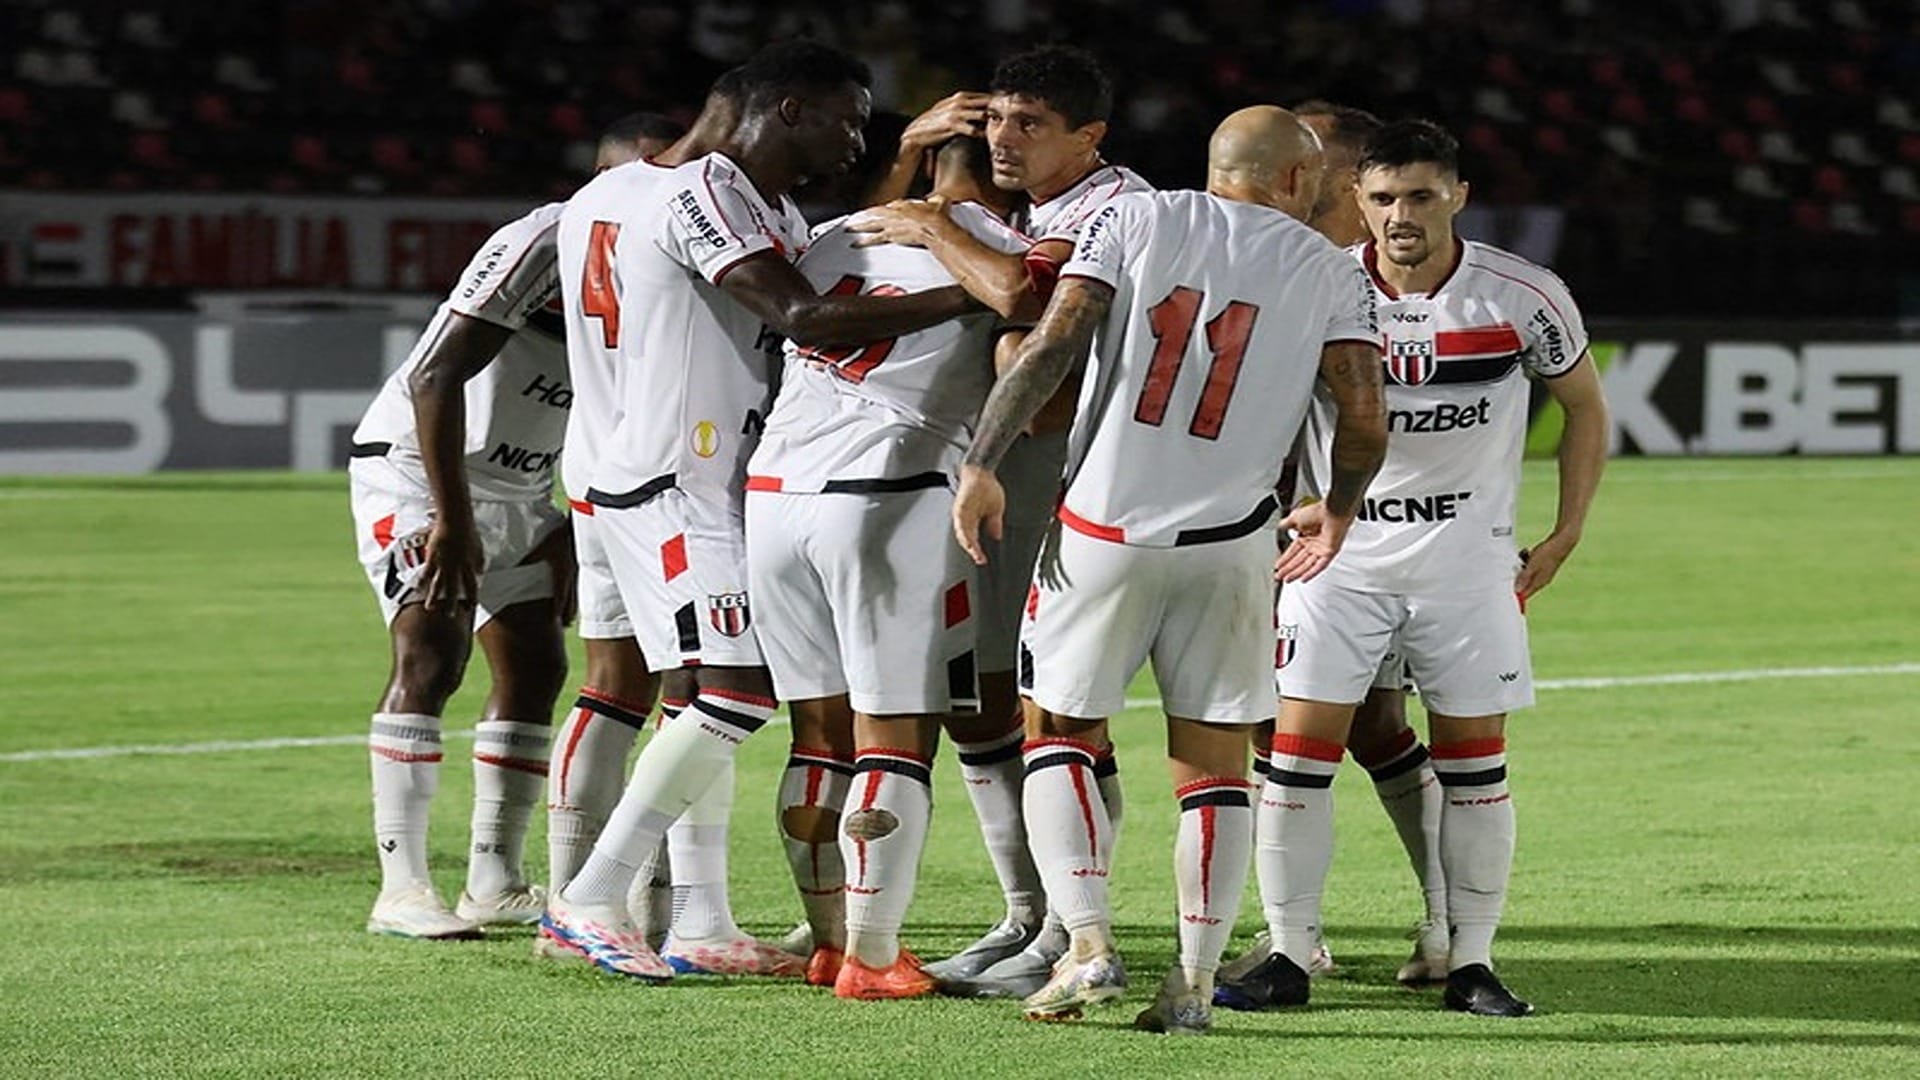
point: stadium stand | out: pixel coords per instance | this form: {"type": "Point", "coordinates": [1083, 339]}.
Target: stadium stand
{"type": "Point", "coordinates": [1710, 155]}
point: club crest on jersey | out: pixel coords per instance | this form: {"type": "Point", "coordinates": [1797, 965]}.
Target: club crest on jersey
{"type": "Point", "coordinates": [706, 438]}
{"type": "Point", "coordinates": [1410, 360]}
{"type": "Point", "coordinates": [728, 613]}
{"type": "Point", "coordinates": [1283, 654]}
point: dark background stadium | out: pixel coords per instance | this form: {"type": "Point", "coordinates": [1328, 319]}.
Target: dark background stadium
{"type": "Point", "coordinates": [1699, 157]}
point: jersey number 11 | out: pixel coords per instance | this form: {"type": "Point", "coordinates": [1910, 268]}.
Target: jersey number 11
{"type": "Point", "coordinates": [1172, 321]}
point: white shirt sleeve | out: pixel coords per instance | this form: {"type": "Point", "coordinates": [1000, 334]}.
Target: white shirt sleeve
{"type": "Point", "coordinates": [514, 274]}
{"type": "Point", "coordinates": [709, 226]}
{"type": "Point", "coordinates": [1355, 315]}
{"type": "Point", "coordinates": [1554, 334]}
{"type": "Point", "coordinates": [1101, 251]}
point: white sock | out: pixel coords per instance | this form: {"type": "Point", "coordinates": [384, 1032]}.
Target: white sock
{"type": "Point", "coordinates": [584, 778]}
{"type": "Point", "coordinates": [509, 772]}
{"type": "Point", "coordinates": [1293, 845]}
{"type": "Point", "coordinates": [1068, 829]}
{"type": "Point", "coordinates": [676, 766]}
{"type": "Point", "coordinates": [1476, 843]}
{"type": "Point", "coordinates": [650, 896]}
{"type": "Point", "coordinates": [1410, 794]}
{"type": "Point", "coordinates": [405, 752]}
{"type": "Point", "coordinates": [1210, 857]}
{"type": "Point", "coordinates": [697, 852]}
{"type": "Point", "coordinates": [993, 771]}
{"type": "Point", "coordinates": [813, 790]}
{"type": "Point", "coordinates": [882, 833]}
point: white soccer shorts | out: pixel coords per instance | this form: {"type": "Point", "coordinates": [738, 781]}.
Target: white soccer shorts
{"type": "Point", "coordinates": [863, 595]}
{"type": "Point", "coordinates": [1467, 651]}
{"type": "Point", "coordinates": [603, 615]}
{"type": "Point", "coordinates": [681, 566]}
{"type": "Point", "coordinates": [1200, 613]}
{"type": "Point", "coordinates": [390, 528]}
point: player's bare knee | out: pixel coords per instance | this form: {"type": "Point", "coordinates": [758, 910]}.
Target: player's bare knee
{"type": "Point", "coordinates": [871, 824]}
{"type": "Point", "coordinates": [810, 824]}
{"type": "Point", "coordinates": [615, 667]}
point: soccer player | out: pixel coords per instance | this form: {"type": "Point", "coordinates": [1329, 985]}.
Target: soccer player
{"type": "Point", "coordinates": [1045, 118]}
{"type": "Point", "coordinates": [864, 608]}
{"type": "Point", "coordinates": [1431, 562]}
{"type": "Point", "coordinates": [451, 478]}
{"type": "Point", "coordinates": [1382, 741]}
{"type": "Point", "coordinates": [707, 286]}
{"type": "Point", "coordinates": [1212, 312]}
{"type": "Point", "coordinates": [586, 775]}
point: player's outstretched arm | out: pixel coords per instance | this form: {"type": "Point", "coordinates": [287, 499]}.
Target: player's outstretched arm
{"type": "Point", "coordinates": [1003, 282]}
{"type": "Point", "coordinates": [438, 384]}
{"type": "Point", "coordinates": [1046, 357]}
{"type": "Point", "coordinates": [768, 285]}
{"type": "Point", "coordinates": [1583, 457]}
{"type": "Point", "coordinates": [1351, 371]}
{"type": "Point", "coordinates": [963, 112]}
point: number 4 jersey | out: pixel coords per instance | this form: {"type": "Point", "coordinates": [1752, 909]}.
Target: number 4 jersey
{"type": "Point", "coordinates": [1204, 366]}
{"type": "Point", "coordinates": [893, 410]}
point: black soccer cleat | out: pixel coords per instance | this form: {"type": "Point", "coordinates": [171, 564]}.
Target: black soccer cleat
{"type": "Point", "coordinates": [1277, 983]}
{"type": "Point", "coordinates": [1476, 989]}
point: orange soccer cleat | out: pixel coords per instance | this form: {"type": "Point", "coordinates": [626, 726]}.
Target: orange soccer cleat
{"type": "Point", "coordinates": [823, 967]}
{"type": "Point", "coordinates": [900, 979]}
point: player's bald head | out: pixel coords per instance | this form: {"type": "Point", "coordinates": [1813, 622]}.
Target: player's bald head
{"type": "Point", "coordinates": [1264, 154]}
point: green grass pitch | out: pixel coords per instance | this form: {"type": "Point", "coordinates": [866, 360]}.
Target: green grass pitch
{"type": "Point", "coordinates": [1716, 878]}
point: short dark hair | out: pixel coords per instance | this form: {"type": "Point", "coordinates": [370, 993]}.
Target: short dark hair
{"type": "Point", "coordinates": [789, 67]}
{"type": "Point", "coordinates": [643, 125]}
{"type": "Point", "coordinates": [1409, 142]}
{"type": "Point", "coordinates": [1069, 80]}
{"type": "Point", "coordinates": [1352, 128]}
{"type": "Point", "coordinates": [969, 152]}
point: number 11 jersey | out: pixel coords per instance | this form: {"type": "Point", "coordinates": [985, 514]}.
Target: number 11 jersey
{"type": "Point", "coordinates": [1204, 366]}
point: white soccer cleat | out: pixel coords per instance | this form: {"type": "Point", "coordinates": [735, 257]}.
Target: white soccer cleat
{"type": "Point", "coordinates": [521, 905]}
{"type": "Point", "coordinates": [416, 911]}
{"type": "Point", "coordinates": [1432, 947]}
{"type": "Point", "coordinates": [1077, 985]}
{"type": "Point", "coordinates": [732, 956]}
{"type": "Point", "coordinates": [605, 937]}
{"type": "Point", "coordinates": [1321, 962]}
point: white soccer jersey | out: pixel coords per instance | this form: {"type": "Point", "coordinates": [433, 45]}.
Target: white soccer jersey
{"type": "Point", "coordinates": [590, 300]}
{"type": "Point", "coordinates": [517, 405]}
{"type": "Point", "coordinates": [1064, 215]}
{"type": "Point", "coordinates": [1033, 466]}
{"type": "Point", "coordinates": [1439, 516]}
{"type": "Point", "coordinates": [1204, 366]}
{"type": "Point", "coordinates": [893, 410]}
{"type": "Point", "coordinates": [695, 366]}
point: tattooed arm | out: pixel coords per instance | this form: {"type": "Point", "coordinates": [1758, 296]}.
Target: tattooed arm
{"type": "Point", "coordinates": [1048, 355]}
{"type": "Point", "coordinates": [1351, 371]}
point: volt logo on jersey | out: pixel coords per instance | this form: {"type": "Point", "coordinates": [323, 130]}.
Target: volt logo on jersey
{"type": "Point", "coordinates": [1411, 361]}
{"type": "Point", "coordinates": [728, 613]}
{"type": "Point", "coordinates": [706, 438]}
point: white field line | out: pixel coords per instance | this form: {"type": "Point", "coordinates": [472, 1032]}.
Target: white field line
{"type": "Point", "coordinates": [1681, 678]}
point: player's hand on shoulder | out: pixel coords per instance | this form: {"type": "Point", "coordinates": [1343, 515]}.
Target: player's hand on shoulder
{"type": "Point", "coordinates": [980, 501]}
{"type": "Point", "coordinates": [451, 572]}
{"type": "Point", "coordinates": [1540, 563]}
{"type": "Point", "coordinates": [902, 221]}
{"type": "Point", "coordinates": [1316, 537]}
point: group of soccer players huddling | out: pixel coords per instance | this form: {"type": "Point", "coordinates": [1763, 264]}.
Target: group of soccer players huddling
{"type": "Point", "coordinates": [966, 462]}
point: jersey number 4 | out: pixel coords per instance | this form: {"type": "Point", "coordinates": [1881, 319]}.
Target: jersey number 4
{"type": "Point", "coordinates": [852, 362]}
{"type": "Point", "coordinates": [597, 300]}
{"type": "Point", "coordinates": [1172, 320]}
